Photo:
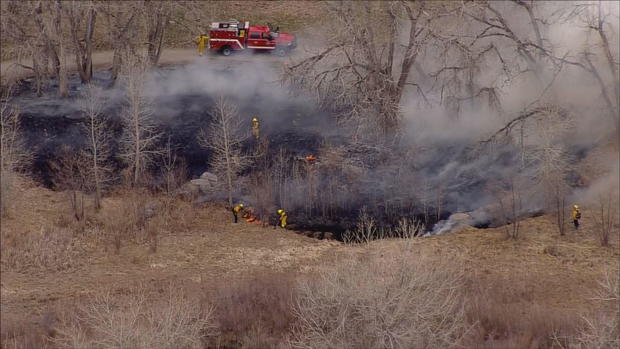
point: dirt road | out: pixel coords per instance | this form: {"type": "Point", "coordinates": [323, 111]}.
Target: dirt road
{"type": "Point", "coordinates": [14, 70]}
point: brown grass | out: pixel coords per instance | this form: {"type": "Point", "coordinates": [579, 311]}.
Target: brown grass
{"type": "Point", "coordinates": [139, 217]}
{"type": "Point", "coordinates": [50, 248]}
{"type": "Point", "coordinates": [255, 312]}
{"type": "Point", "coordinates": [505, 317]}
{"type": "Point", "coordinates": [17, 332]}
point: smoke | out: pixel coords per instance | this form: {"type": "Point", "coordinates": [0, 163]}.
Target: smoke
{"type": "Point", "coordinates": [438, 166]}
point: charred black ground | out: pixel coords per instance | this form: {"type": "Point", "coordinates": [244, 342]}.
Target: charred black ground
{"type": "Point", "coordinates": [388, 189]}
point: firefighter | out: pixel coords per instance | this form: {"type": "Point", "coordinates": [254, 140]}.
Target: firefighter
{"type": "Point", "coordinates": [201, 41]}
{"type": "Point", "coordinates": [255, 127]}
{"type": "Point", "coordinates": [283, 217]}
{"type": "Point", "coordinates": [576, 216]}
{"type": "Point", "coordinates": [236, 210]}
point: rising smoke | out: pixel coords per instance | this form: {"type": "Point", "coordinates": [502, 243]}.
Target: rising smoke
{"type": "Point", "coordinates": [437, 167]}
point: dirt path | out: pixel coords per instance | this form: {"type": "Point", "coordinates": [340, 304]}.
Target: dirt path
{"type": "Point", "coordinates": [13, 70]}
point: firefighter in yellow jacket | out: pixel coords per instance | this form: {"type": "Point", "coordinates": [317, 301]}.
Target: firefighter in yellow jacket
{"type": "Point", "coordinates": [283, 217]}
{"type": "Point", "coordinates": [255, 127]}
{"type": "Point", "coordinates": [201, 41]}
{"type": "Point", "coordinates": [576, 214]}
{"type": "Point", "coordinates": [236, 210]}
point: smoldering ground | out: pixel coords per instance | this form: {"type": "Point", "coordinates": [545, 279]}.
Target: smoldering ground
{"type": "Point", "coordinates": [437, 166]}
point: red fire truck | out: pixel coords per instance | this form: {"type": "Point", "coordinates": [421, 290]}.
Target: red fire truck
{"type": "Point", "coordinates": [233, 35]}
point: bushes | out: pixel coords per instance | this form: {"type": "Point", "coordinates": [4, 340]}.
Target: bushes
{"type": "Point", "coordinates": [51, 248]}
{"type": "Point", "coordinates": [256, 312]}
{"type": "Point", "coordinates": [505, 317]}
{"type": "Point", "coordinates": [140, 322]}
{"type": "Point", "coordinates": [600, 329]}
{"type": "Point", "coordinates": [394, 301]}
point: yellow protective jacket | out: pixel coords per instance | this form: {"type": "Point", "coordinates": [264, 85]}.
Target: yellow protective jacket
{"type": "Point", "coordinates": [238, 208]}
{"type": "Point", "coordinates": [255, 128]}
{"type": "Point", "coordinates": [201, 41]}
{"type": "Point", "coordinates": [576, 213]}
{"type": "Point", "coordinates": [283, 219]}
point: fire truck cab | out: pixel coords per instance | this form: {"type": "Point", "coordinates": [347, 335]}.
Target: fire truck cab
{"type": "Point", "coordinates": [226, 37]}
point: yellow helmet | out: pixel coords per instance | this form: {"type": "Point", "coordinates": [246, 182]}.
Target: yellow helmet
{"type": "Point", "coordinates": [280, 211]}
{"type": "Point", "coordinates": [240, 205]}
{"type": "Point", "coordinates": [575, 207]}
{"type": "Point", "coordinates": [254, 120]}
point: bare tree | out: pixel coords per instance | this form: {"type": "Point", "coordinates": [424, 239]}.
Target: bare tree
{"type": "Point", "coordinates": [140, 134]}
{"type": "Point", "coordinates": [71, 175]}
{"type": "Point", "coordinates": [50, 24]}
{"type": "Point", "coordinates": [98, 134]}
{"type": "Point", "coordinates": [45, 45]}
{"type": "Point", "coordinates": [599, 23]}
{"type": "Point", "coordinates": [225, 137]}
{"type": "Point", "coordinates": [122, 23]}
{"type": "Point", "coordinates": [173, 169]}
{"type": "Point", "coordinates": [82, 13]}
{"type": "Point", "coordinates": [156, 16]}
{"type": "Point", "coordinates": [364, 72]}
{"type": "Point", "coordinates": [26, 45]}
{"type": "Point", "coordinates": [549, 159]}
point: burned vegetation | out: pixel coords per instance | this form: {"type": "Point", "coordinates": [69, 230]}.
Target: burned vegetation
{"type": "Point", "coordinates": [390, 122]}
{"type": "Point", "coordinates": [386, 111]}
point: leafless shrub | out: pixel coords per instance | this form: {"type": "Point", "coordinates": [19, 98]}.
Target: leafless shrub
{"type": "Point", "coordinates": [127, 220]}
{"type": "Point", "coordinates": [606, 215]}
{"type": "Point", "coordinates": [256, 312]}
{"type": "Point", "coordinates": [408, 228]}
{"type": "Point", "coordinates": [509, 197]}
{"type": "Point", "coordinates": [50, 249]}
{"type": "Point", "coordinates": [14, 156]}
{"type": "Point", "coordinates": [365, 230]}
{"type": "Point", "coordinates": [600, 329]}
{"type": "Point", "coordinates": [392, 301]}
{"type": "Point", "coordinates": [71, 175]}
{"type": "Point", "coordinates": [174, 170]}
{"type": "Point", "coordinates": [108, 321]}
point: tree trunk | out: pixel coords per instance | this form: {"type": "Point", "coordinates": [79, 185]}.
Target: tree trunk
{"type": "Point", "coordinates": [137, 164]}
{"type": "Point", "coordinates": [95, 167]}
{"type": "Point", "coordinates": [83, 53]}
{"type": "Point", "coordinates": [63, 90]}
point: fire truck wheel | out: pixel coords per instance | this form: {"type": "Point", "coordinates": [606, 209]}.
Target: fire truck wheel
{"type": "Point", "coordinates": [280, 51]}
{"type": "Point", "coordinates": [226, 51]}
